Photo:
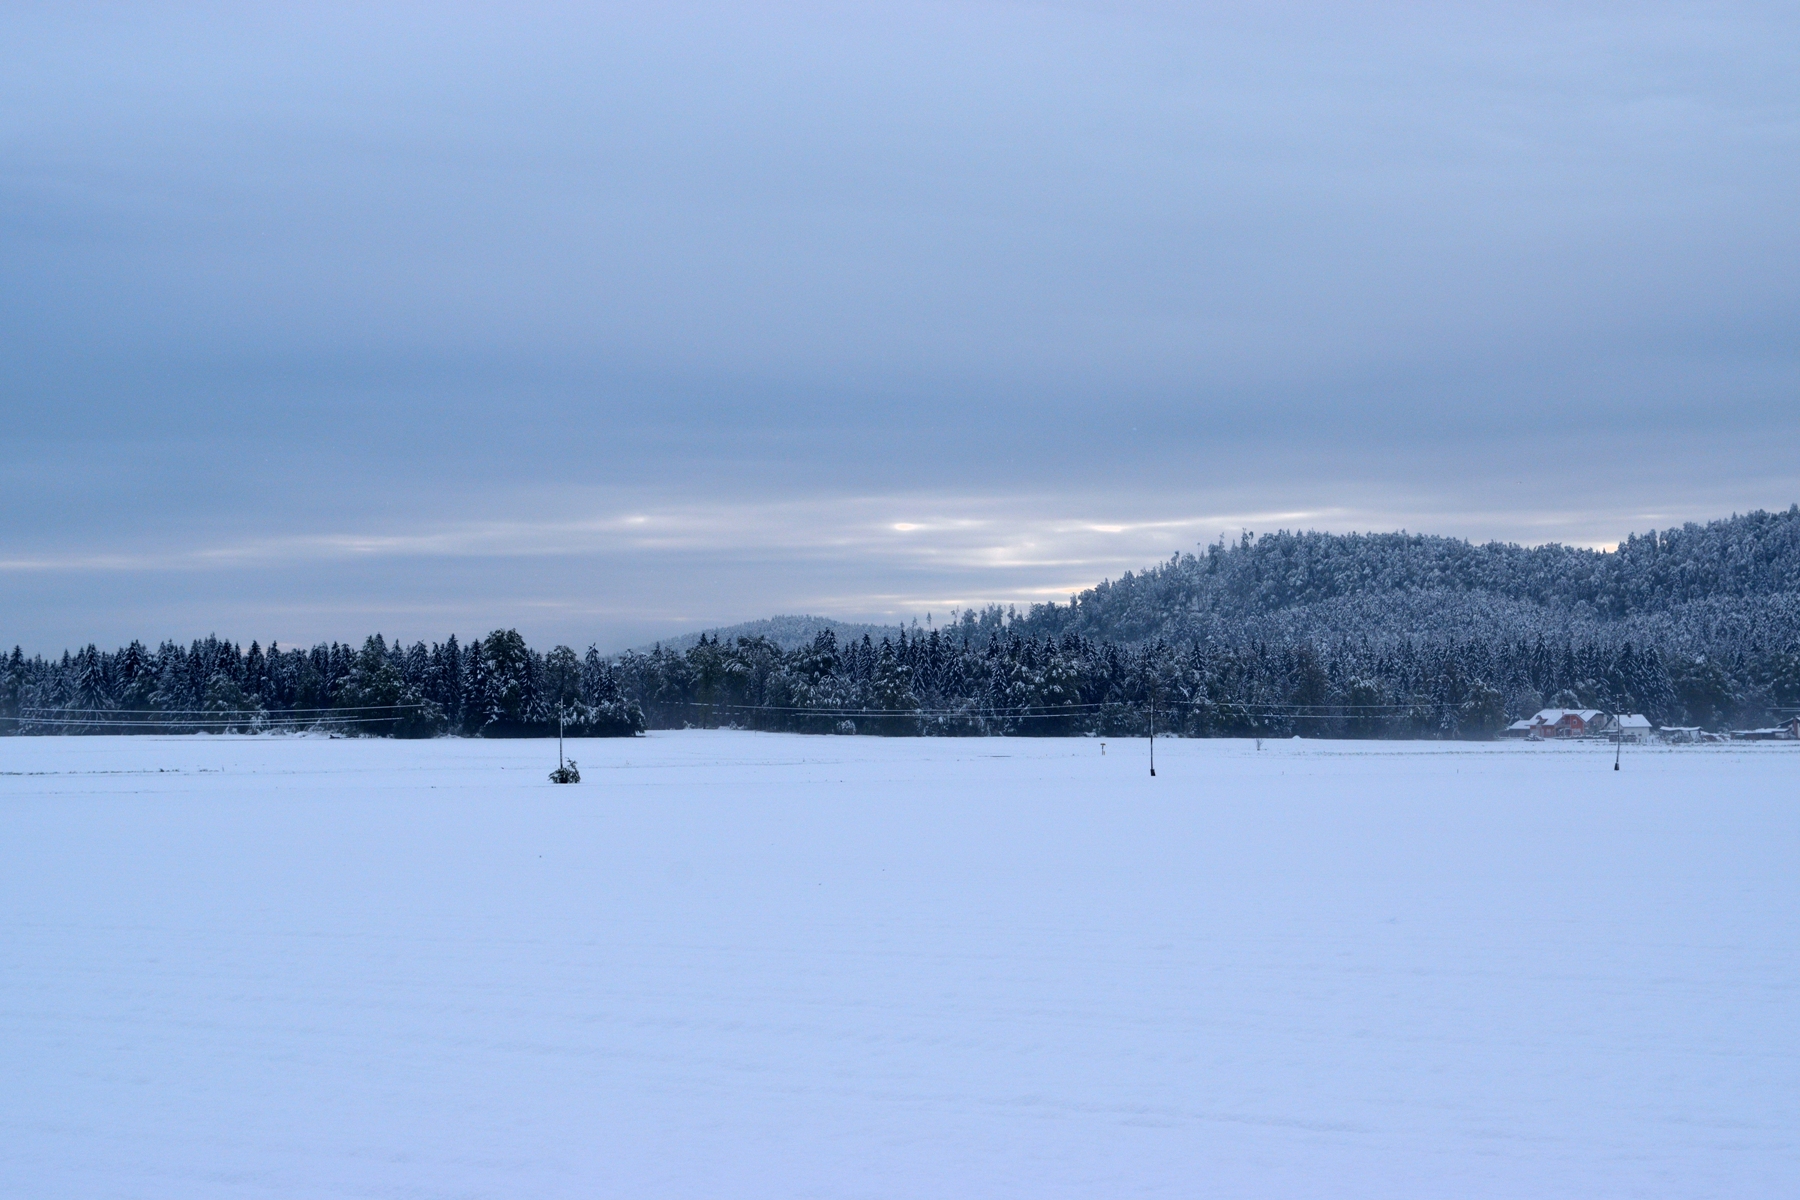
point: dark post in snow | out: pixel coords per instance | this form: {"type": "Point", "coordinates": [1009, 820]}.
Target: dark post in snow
{"type": "Point", "coordinates": [559, 735]}
{"type": "Point", "coordinates": [1618, 741]}
{"type": "Point", "coordinates": [1153, 733]}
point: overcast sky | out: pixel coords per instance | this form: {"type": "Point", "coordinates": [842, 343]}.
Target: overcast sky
{"type": "Point", "coordinates": [609, 322]}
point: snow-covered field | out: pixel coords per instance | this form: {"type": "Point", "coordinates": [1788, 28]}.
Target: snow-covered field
{"type": "Point", "coordinates": [748, 965]}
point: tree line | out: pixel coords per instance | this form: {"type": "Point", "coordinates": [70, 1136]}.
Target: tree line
{"type": "Point", "coordinates": [938, 682]}
{"type": "Point", "coordinates": [495, 686]}
{"type": "Point", "coordinates": [1364, 635]}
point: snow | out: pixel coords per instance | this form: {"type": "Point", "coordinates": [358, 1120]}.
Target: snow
{"type": "Point", "coordinates": [738, 965]}
{"type": "Point", "coordinates": [1550, 716]}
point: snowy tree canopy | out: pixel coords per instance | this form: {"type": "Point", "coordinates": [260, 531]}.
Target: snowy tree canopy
{"type": "Point", "coordinates": [1322, 634]}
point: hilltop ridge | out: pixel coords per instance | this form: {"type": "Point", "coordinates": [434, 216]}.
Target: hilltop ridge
{"type": "Point", "coordinates": [1672, 586]}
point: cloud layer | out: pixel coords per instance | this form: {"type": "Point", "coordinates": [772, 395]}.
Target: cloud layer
{"type": "Point", "coordinates": [314, 317]}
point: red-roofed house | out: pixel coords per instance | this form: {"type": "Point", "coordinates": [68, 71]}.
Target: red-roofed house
{"type": "Point", "coordinates": [1566, 722]}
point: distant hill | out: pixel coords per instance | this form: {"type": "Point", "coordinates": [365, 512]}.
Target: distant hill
{"type": "Point", "coordinates": [1733, 582]}
{"type": "Point", "coordinates": [1341, 635]}
{"type": "Point", "coordinates": [1731, 585]}
{"type": "Point", "coordinates": [787, 632]}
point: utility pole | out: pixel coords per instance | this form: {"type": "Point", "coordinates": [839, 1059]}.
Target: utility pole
{"type": "Point", "coordinates": [565, 767]}
{"type": "Point", "coordinates": [1153, 734]}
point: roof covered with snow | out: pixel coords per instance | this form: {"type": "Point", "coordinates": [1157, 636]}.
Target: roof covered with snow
{"type": "Point", "coordinates": [1550, 716]}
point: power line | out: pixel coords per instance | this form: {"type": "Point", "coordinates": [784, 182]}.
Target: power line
{"type": "Point", "coordinates": [98, 723]}
{"type": "Point", "coordinates": [213, 712]}
{"type": "Point", "coordinates": [194, 718]}
{"type": "Point", "coordinates": [1066, 709]}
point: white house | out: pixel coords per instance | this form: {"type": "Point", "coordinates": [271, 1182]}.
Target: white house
{"type": "Point", "coordinates": [1630, 727]}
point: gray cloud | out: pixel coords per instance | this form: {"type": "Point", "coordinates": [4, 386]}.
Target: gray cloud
{"type": "Point", "coordinates": [306, 279]}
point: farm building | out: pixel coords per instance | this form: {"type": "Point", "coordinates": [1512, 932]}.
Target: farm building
{"type": "Point", "coordinates": [1565, 723]}
{"type": "Point", "coordinates": [1631, 727]}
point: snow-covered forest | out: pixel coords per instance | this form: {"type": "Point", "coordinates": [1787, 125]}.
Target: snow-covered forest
{"type": "Point", "coordinates": [1388, 635]}
{"type": "Point", "coordinates": [498, 686]}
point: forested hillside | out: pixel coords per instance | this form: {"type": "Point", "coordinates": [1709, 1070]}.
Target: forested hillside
{"type": "Point", "coordinates": [1327, 635]}
{"type": "Point", "coordinates": [1663, 586]}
